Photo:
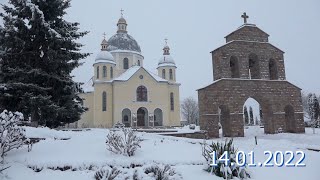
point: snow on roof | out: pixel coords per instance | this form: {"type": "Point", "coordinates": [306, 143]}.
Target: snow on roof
{"type": "Point", "coordinates": [156, 77]}
{"type": "Point", "coordinates": [166, 59]}
{"type": "Point", "coordinates": [88, 86]}
{"type": "Point", "coordinates": [131, 71]}
{"type": "Point", "coordinates": [104, 55]}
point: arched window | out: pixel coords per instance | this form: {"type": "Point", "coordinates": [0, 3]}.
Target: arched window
{"type": "Point", "coordinates": [111, 72]}
{"type": "Point", "coordinates": [142, 93]}
{"type": "Point", "coordinates": [254, 66]}
{"type": "Point", "coordinates": [163, 73]}
{"type": "Point", "coordinates": [104, 71]}
{"type": "Point", "coordinates": [125, 63]}
{"type": "Point", "coordinates": [171, 101]}
{"type": "Point", "coordinates": [104, 101]}
{"type": "Point", "coordinates": [98, 72]}
{"type": "Point", "coordinates": [139, 63]}
{"type": "Point", "coordinates": [273, 70]}
{"type": "Point", "coordinates": [171, 74]}
{"type": "Point", "coordinates": [234, 67]}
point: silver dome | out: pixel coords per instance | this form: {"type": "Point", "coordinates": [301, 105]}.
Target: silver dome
{"type": "Point", "coordinates": [123, 41]}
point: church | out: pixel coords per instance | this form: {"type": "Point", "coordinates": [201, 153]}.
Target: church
{"type": "Point", "coordinates": [126, 92]}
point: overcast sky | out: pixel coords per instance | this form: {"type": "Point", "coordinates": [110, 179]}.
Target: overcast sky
{"type": "Point", "coordinates": [194, 28]}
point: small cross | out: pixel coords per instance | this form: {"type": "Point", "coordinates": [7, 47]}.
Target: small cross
{"type": "Point", "coordinates": [121, 12]}
{"type": "Point", "coordinates": [166, 40]}
{"type": "Point", "coordinates": [104, 35]}
{"type": "Point", "coordinates": [245, 17]}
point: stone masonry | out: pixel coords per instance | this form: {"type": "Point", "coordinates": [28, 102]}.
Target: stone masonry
{"type": "Point", "coordinates": [249, 66]}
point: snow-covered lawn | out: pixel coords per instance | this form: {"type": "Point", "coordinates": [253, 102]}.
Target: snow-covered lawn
{"type": "Point", "coordinates": [86, 151]}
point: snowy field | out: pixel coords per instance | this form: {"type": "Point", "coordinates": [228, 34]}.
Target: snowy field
{"type": "Point", "coordinates": [85, 152]}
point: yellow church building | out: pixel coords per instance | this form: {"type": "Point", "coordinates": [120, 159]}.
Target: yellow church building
{"type": "Point", "coordinates": [124, 91]}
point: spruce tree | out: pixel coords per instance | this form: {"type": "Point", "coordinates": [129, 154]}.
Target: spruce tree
{"type": "Point", "coordinates": [40, 51]}
{"type": "Point", "coordinates": [251, 115]}
{"type": "Point", "coordinates": [246, 115]}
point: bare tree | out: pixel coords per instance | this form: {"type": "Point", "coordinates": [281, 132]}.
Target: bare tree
{"type": "Point", "coordinates": [190, 110]}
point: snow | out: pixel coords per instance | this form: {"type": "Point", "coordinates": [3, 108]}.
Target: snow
{"type": "Point", "coordinates": [166, 59]}
{"type": "Point", "coordinates": [104, 55]}
{"type": "Point", "coordinates": [88, 148]}
{"type": "Point", "coordinates": [128, 74]}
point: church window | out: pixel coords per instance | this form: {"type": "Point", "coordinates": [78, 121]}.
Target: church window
{"type": "Point", "coordinates": [104, 101]}
{"type": "Point", "coordinates": [125, 63]}
{"type": "Point", "coordinates": [98, 72]}
{"type": "Point", "coordinates": [111, 72]}
{"type": "Point", "coordinates": [171, 101]}
{"type": "Point", "coordinates": [163, 73]}
{"type": "Point", "coordinates": [171, 74]}
{"type": "Point", "coordinates": [234, 67]}
{"type": "Point", "coordinates": [104, 71]}
{"type": "Point", "coordinates": [273, 70]}
{"type": "Point", "coordinates": [138, 62]}
{"type": "Point", "coordinates": [254, 69]}
{"type": "Point", "coordinates": [142, 93]}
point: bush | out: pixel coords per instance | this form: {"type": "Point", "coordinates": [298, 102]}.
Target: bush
{"type": "Point", "coordinates": [192, 126]}
{"type": "Point", "coordinates": [124, 142]}
{"type": "Point", "coordinates": [106, 174]}
{"type": "Point", "coordinates": [227, 172]}
{"type": "Point", "coordinates": [11, 136]}
{"type": "Point", "coordinates": [162, 172]}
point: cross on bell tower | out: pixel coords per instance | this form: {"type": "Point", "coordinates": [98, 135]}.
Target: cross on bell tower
{"type": "Point", "coordinates": [245, 17]}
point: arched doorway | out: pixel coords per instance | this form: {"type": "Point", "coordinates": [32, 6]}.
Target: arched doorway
{"type": "Point", "coordinates": [158, 117]}
{"type": "Point", "coordinates": [252, 113]}
{"type": "Point", "coordinates": [289, 118]}
{"type": "Point", "coordinates": [126, 117]}
{"type": "Point", "coordinates": [142, 117]}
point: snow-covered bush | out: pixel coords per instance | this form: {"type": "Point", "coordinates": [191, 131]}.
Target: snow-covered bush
{"type": "Point", "coordinates": [107, 173]}
{"type": "Point", "coordinates": [221, 170]}
{"type": "Point", "coordinates": [119, 125]}
{"type": "Point", "coordinates": [162, 172]}
{"type": "Point", "coordinates": [124, 142]}
{"type": "Point", "coordinates": [192, 126]}
{"type": "Point", "coordinates": [11, 135]}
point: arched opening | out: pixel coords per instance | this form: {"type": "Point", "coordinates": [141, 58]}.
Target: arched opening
{"type": "Point", "coordinates": [104, 71]}
{"type": "Point", "coordinates": [254, 68]}
{"type": "Point", "coordinates": [104, 101]}
{"type": "Point", "coordinates": [125, 63]}
{"type": "Point", "coordinates": [289, 118]}
{"type": "Point", "coordinates": [171, 74]}
{"type": "Point", "coordinates": [142, 117]}
{"type": "Point", "coordinates": [234, 67]}
{"type": "Point", "coordinates": [251, 113]}
{"type": "Point", "coordinates": [126, 117]}
{"type": "Point", "coordinates": [142, 94]}
{"type": "Point", "coordinates": [158, 117]}
{"type": "Point", "coordinates": [139, 63]}
{"type": "Point", "coordinates": [98, 72]}
{"type": "Point", "coordinates": [111, 72]}
{"type": "Point", "coordinates": [224, 119]}
{"type": "Point", "coordinates": [273, 70]}
{"type": "Point", "coordinates": [163, 73]}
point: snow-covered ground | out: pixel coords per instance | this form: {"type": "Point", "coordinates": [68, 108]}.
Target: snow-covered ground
{"type": "Point", "coordinates": [86, 151]}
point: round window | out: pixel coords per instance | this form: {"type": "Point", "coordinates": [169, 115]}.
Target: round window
{"type": "Point", "coordinates": [141, 77]}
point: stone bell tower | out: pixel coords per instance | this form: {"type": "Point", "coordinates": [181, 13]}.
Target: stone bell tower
{"type": "Point", "coordinates": [248, 66]}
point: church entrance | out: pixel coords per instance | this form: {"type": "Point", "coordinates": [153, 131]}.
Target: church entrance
{"type": "Point", "coordinates": [142, 116]}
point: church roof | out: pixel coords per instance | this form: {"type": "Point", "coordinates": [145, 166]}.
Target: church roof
{"type": "Point", "coordinates": [246, 30]}
{"type": "Point", "coordinates": [131, 71]}
{"type": "Point", "coordinates": [123, 41]}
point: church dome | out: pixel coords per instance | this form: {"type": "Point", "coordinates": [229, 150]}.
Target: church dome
{"type": "Point", "coordinates": [166, 60]}
{"type": "Point", "coordinates": [122, 21]}
{"type": "Point", "coordinates": [123, 41]}
{"type": "Point", "coordinates": [104, 56]}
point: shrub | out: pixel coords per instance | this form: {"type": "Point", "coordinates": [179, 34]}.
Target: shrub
{"type": "Point", "coordinates": [162, 172]}
{"type": "Point", "coordinates": [11, 136]}
{"type": "Point", "coordinates": [221, 170]}
{"type": "Point", "coordinates": [124, 142]}
{"type": "Point", "coordinates": [107, 174]}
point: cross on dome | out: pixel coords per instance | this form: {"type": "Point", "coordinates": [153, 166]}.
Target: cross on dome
{"type": "Point", "coordinates": [121, 12]}
{"type": "Point", "coordinates": [245, 17]}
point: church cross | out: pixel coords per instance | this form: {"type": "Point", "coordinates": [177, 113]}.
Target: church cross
{"type": "Point", "coordinates": [245, 17]}
{"type": "Point", "coordinates": [121, 12]}
{"type": "Point", "coordinates": [166, 40]}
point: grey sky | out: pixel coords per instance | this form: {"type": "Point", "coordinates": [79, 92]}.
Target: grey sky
{"type": "Point", "coordinates": [194, 28]}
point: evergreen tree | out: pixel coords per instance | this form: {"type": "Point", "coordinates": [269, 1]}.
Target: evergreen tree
{"type": "Point", "coordinates": [246, 115]}
{"type": "Point", "coordinates": [40, 51]}
{"type": "Point", "coordinates": [251, 115]}
{"type": "Point", "coordinates": [313, 110]}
